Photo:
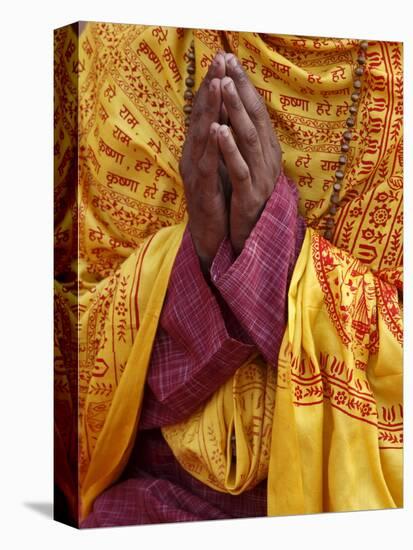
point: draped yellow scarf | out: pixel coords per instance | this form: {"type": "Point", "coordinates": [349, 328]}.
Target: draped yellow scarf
{"type": "Point", "coordinates": [328, 435]}
{"type": "Point", "coordinates": [326, 427]}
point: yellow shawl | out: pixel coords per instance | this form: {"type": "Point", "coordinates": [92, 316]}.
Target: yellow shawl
{"type": "Point", "coordinates": [333, 439]}
{"type": "Point", "coordinates": [326, 427]}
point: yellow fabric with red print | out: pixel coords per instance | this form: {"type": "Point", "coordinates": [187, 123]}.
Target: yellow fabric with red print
{"type": "Point", "coordinates": [330, 431]}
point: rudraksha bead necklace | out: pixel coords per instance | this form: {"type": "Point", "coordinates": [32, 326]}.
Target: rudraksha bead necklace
{"type": "Point", "coordinates": [346, 137]}
{"type": "Point", "coordinates": [190, 83]}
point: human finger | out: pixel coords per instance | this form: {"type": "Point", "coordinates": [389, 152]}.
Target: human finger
{"type": "Point", "coordinates": [252, 101]}
{"type": "Point", "coordinates": [210, 113]}
{"type": "Point", "coordinates": [193, 150]}
{"type": "Point", "coordinates": [208, 163]}
{"type": "Point", "coordinates": [238, 170]}
{"type": "Point", "coordinates": [246, 133]}
{"type": "Point", "coordinates": [216, 70]}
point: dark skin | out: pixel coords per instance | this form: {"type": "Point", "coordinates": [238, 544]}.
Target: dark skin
{"type": "Point", "coordinates": [229, 173]}
{"type": "Point", "coordinates": [199, 167]}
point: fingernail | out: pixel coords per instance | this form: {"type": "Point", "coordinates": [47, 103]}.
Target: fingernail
{"type": "Point", "coordinates": [229, 86]}
{"type": "Point", "coordinates": [214, 127]}
{"type": "Point", "coordinates": [232, 62]}
{"type": "Point", "coordinates": [224, 130]}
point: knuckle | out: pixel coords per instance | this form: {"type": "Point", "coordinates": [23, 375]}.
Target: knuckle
{"type": "Point", "coordinates": [251, 137]}
{"type": "Point", "coordinates": [241, 76]}
{"type": "Point", "coordinates": [274, 142]}
{"type": "Point", "coordinates": [203, 168]}
{"type": "Point", "coordinates": [230, 146]}
{"type": "Point", "coordinates": [205, 202]}
{"type": "Point", "coordinates": [255, 205]}
{"type": "Point", "coordinates": [258, 109]}
{"type": "Point", "coordinates": [235, 102]}
{"type": "Point", "coordinates": [243, 174]}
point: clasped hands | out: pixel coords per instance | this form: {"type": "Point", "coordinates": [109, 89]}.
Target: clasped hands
{"type": "Point", "coordinates": [229, 172]}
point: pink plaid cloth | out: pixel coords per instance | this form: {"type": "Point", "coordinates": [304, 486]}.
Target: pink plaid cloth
{"type": "Point", "coordinates": [207, 330]}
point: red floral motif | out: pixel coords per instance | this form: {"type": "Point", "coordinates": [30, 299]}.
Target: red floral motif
{"type": "Point", "coordinates": [356, 212]}
{"type": "Point", "coordinates": [365, 409]}
{"type": "Point", "coordinates": [298, 393]}
{"type": "Point", "coordinates": [340, 397]}
{"type": "Point", "coordinates": [390, 258]}
{"type": "Point", "coordinates": [121, 309]}
{"type": "Point", "coordinates": [380, 215]}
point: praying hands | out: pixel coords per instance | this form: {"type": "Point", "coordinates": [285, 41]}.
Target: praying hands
{"type": "Point", "coordinates": [229, 170]}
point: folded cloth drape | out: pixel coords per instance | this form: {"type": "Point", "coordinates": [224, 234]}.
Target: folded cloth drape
{"type": "Point", "coordinates": [337, 432]}
{"type": "Point", "coordinates": [126, 309]}
{"type": "Point", "coordinates": [327, 432]}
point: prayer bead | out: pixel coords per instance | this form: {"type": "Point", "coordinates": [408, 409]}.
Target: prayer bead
{"type": "Point", "coordinates": [350, 121]}
{"type": "Point", "coordinates": [189, 82]}
{"type": "Point", "coordinates": [361, 60]}
{"type": "Point", "coordinates": [328, 234]}
{"type": "Point", "coordinates": [333, 209]}
{"type": "Point", "coordinates": [191, 69]}
{"type": "Point", "coordinates": [364, 45]}
{"type": "Point", "coordinates": [330, 222]}
{"type": "Point", "coordinates": [347, 135]}
{"type": "Point", "coordinates": [353, 109]}
{"type": "Point", "coordinates": [357, 84]}
{"type": "Point", "coordinates": [342, 159]}
{"type": "Point", "coordinates": [337, 186]}
{"type": "Point", "coordinates": [187, 109]}
{"type": "Point", "coordinates": [355, 96]}
{"type": "Point", "coordinates": [345, 147]}
{"type": "Point", "coordinates": [359, 71]}
{"type": "Point", "coordinates": [339, 174]}
{"type": "Point", "coordinates": [188, 95]}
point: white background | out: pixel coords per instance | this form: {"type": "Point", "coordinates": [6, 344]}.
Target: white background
{"type": "Point", "coordinates": [26, 273]}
